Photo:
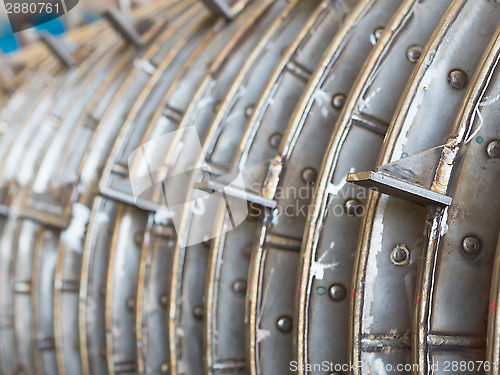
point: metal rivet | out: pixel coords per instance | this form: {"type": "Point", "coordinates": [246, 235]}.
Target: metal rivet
{"type": "Point", "coordinates": [217, 106]}
{"type": "Point", "coordinates": [351, 207]}
{"type": "Point", "coordinates": [163, 300]}
{"type": "Point", "coordinates": [275, 140]}
{"type": "Point", "coordinates": [338, 101]}
{"type": "Point", "coordinates": [164, 367]}
{"type": "Point", "coordinates": [284, 324]}
{"type": "Point", "coordinates": [198, 312]}
{"type": "Point", "coordinates": [130, 303]}
{"type": "Point", "coordinates": [337, 292]}
{"type": "Point", "coordinates": [413, 53]}
{"type": "Point", "coordinates": [207, 240]}
{"type": "Point", "coordinates": [138, 238]}
{"type": "Point", "coordinates": [400, 255]}
{"type": "Point", "coordinates": [249, 110]}
{"type": "Point", "coordinates": [493, 150]}
{"type": "Point", "coordinates": [309, 175]}
{"type": "Point", "coordinates": [471, 245]}
{"type": "Point", "coordinates": [377, 33]}
{"type": "Point", "coordinates": [457, 79]}
{"type": "Point", "coordinates": [240, 287]}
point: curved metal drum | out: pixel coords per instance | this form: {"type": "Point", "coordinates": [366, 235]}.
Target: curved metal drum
{"type": "Point", "coordinates": [235, 50]}
{"type": "Point", "coordinates": [192, 260]}
{"type": "Point", "coordinates": [96, 275]}
{"type": "Point", "coordinates": [42, 281]}
{"type": "Point", "coordinates": [48, 344]}
{"type": "Point", "coordinates": [14, 71]}
{"type": "Point", "coordinates": [22, 322]}
{"type": "Point", "coordinates": [16, 164]}
{"type": "Point", "coordinates": [93, 287]}
{"type": "Point", "coordinates": [42, 307]}
{"type": "Point", "coordinates": [8, 357]}
{"type": "Point", "coordinates": [90, 301]}
{"type": "Point", "coordinates": [40, 66]}
{"type": "Point", "coordinates": [459, 250]}
{"type": "Point", "coordinates": [391, 236]}
{"type": "Point", "coordinates": [186, 313]}
{"type": "Point", "coordinates": [326, 262]}
{"type": "Point", "coordinates": [226, 285]}
{"type": "Point", "coordinates": [290, 180]}
{"type": "Point", "coordinates": [15, 99]}
{"type": "Point", "coordinates": [180, 256]}
{"type": "Point", "coordinates": [152, 299]}
{"type": "Point", "coordinates": [69, 262]}
{"type": "Point", "coordinates": [121, 342]}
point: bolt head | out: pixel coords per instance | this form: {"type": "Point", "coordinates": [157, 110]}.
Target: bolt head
{"type": "Point", "coordinates": [130, 303]}
{"type": "Point", "coordinates": [337, 292]}
{"type": "Point", "coordinates": [338, 101]}
{"type": "Point", "coordinates": [164, 367]}
{"type": "Point", "coordinates": [284, 324]}
{"type": "Point", "coordinates": [309, 175]}
{"type": "Point", "coordinates": [198, 312]}
{"type": "Point", "coordinates": [275, 140]}
{"type": "Point", "coordinates": [249, 111]}
{"type": "Point", "coordinates": [375, 36]}
{"type": "Point", "coordinates": [493, 150]}
{"type": "Point", "coordinates": [471, 245]}
{"type": "Point", "coordinates": [138, 239]}
{"type": "Point", "coordinates": [217, 106]}
{"type": "Point", "coordinates": [207, 240]}
{"type": "Point", "coordinates": [457, 79]}
{"type": "Point", "coordinates": [351, 207]}
{"type": "Point", "coordinates": [413, 53]}
{"type": "Point", "coordinates": [400, 255]}
{"type": "Point", "coordinates": [163, 300]}
{"type": "Point", "coordinates": [240, 288]}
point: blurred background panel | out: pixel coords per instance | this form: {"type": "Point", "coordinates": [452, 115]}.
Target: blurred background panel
{"type": "Point", "coordinates": [84, 12]}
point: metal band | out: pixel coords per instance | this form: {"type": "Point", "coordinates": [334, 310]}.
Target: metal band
{"type": "Point", "coordinates": [224, 9]}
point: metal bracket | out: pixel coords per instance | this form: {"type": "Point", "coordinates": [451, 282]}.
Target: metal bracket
{"type": "Point", "coordinates": [9, 75]}
{"type": "Point", "coordinates": [214, 186]}
{"type": "Point", "coordinates": [61, 49]}
{"type": "Point", "coordinates": [220, 8]}
{"type": "Point", "coordinates": [220, 181]}
{"type": "Point", "coordinates": [409, 178]}
{"type": "Point", "coordinates": [124, 27]}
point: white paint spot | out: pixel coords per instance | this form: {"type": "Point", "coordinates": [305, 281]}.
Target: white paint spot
{"type": "Point", "coordinates": [262, 334]}
{"type": "Point", "coordinates": [318, 268]}
{"type": "Point", "coordinates": [73, 235]}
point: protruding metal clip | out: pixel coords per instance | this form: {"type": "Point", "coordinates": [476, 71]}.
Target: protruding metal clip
{"type": "Point", "coordinates": [61, 49]}
{"type": "Point", "coordinates": [220, 8]}
{"type": "Point", "coordinates": [409, 178]}
{"type": "Point", "coordinates": [124, 27]}
{"type": "Point", "coordinates": [9, 75]}
{"type": "Point", "coordinates": [221, 182]}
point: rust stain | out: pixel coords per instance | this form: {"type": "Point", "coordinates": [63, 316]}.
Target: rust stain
{"type": "Point", "coordinates": [272, 178]}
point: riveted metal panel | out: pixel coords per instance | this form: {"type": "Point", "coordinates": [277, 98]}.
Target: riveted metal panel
{"type": "Point", "coordinates": [331, 235]}
{"type": "Point", "coordinates": [459, 250]}
{"type": "Point", "coordinates": [233, 109]}
{"type": "Point", "coordinates": [294, 183]}
{"type": "Point", "coordinates": [391, 221]}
